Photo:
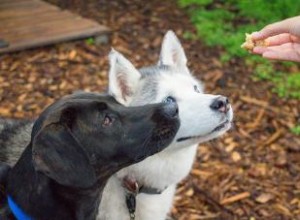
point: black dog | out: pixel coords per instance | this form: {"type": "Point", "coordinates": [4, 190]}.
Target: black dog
{"type": "Point", "coordinates": [76, 145]}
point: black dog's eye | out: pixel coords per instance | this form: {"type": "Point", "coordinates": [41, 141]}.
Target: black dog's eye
{"type": "Point", "coordinates": [107, 121]}
{"type": "Point", "coordinates": [197, 89]}
{"type": "Point", "coordinates": [169, 99]}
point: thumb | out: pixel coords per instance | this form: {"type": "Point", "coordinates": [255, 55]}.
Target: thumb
{"type": "Point", "coordinates": [286, 26]}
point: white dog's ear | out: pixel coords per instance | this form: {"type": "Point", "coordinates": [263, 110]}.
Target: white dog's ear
{"type": "Point", "coordinates": [123, 78]}
{"type": "Point", "coordinates": [172, 53]}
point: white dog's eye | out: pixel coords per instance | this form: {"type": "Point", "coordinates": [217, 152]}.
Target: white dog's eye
{"type": "Point", "coordinates": [169, 99]}
{"type": "Point", "coordinates": [197, 89]}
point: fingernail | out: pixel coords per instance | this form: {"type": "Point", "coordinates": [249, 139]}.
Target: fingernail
{"type": "Point", "coordinates": [255, 50]}
{"type": "Point", "coordinates": [256, 34]}
{"type": "Point", "coordinates": [258, 50]}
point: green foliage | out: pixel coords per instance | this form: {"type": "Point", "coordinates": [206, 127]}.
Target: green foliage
{"type": "Point", "coordinates": [224, 23]}
{"type": "Point", "coordinates": [296, 130]}
{"type": "Point", "coordinates": [189, 35]}
{"type": "Point", "coordinates": [290, 87]}
{"type": "Point", "coordinates": [266, 11]}
{"type": "Point", "coordinates": [90, 41]}
{"type": "Point", "coordinates": [285, 85]}
{"type": "Point", "coordinates": [264, 71]}
{"type": "Point", "coordinates": [184, 3]}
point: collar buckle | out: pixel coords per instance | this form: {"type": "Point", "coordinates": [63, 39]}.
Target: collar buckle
{"type": "Point", "coordinates": [132, 188]}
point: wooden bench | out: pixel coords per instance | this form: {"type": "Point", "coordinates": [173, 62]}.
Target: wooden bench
{"type": "Point", "coordinates": [32, 23]}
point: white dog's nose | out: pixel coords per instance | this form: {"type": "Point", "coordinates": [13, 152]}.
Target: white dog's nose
{"type": "Point", "coordinates": [220, 104]}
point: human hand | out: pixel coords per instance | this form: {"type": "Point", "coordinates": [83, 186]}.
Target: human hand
{"type": "Point", "coordinates": [282, 40]}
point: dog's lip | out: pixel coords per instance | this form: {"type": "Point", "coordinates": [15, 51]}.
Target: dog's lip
{"type": "Point", "coordinates": [160, 139]}
{"type": "Point", "coordinates": [216, 129]}
{"type": "Point", "coordinates": [164, 135]}
{"type": "Point", "coordinates": [220, 126]}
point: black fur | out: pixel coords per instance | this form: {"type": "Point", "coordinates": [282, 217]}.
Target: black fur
{"type": "Point", "coordinates": [76, 144]}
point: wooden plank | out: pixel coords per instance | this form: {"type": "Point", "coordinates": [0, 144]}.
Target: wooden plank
{"type": "Point", "coordinates": [46, 18]}
{"type": "Point", "coordinates": [51, 15]}
{"type": "Point", "coordinates": [57, 35]}
{"type": "Point", "coordinates": [13, 2]}
{"type": "Point", "coordinates": [23, 4]}
{"type": "Point", "coordinates": [44, 28]}
{"type": "Point", "coordinates": [20, 12]}
{"type": "Point", "coordinates": [43, 41]}
{"type": "Point", "coordinates": [26, 38]}
{"type": "Point", "coordinates": [31, 23]}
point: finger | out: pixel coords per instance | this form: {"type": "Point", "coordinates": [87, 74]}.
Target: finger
{"type": "Point", "coordinates": [259, 50]}
{"type": "Point", "coordinates": [282, 39]}
{"type": "Point", "coordinates": [285, 26]}
{"type": "Point", "coordinates": [257, 35]}
{"type": "Point", "coordinates": [284, 56]}
{"type": "Point", "coordinates": [285, 47]}
{"type": "Point", "coordinates": [287, 52]}
{"type": "Point", "coordinates": [278, 39]}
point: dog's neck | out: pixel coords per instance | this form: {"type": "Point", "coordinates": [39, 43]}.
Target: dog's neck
{"type": "Point", "coordinates": [42, 198]}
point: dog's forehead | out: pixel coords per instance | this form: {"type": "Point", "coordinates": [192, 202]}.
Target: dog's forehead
{"type": "Point", "coordinates": [160, 81]}
{"type": "Point", "coordinates": [151, 71]}
{"type": "Point", "coordinates": [157, 75]}
{"type": "Point", "coordinates": [77, 100]}
{"type": "Point", "coordinates": [90, 96]}
{"type": "Point", "coordinates": [82, 100]}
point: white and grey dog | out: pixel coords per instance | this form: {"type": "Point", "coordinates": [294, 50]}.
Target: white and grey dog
{"type": "Point", "coordinates": [153, 181]}
{"type": "Point", "coordinates": [203, 117]}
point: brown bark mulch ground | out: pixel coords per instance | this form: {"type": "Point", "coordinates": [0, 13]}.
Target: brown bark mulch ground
{"type": "Point", "coordinates": [253, 172]}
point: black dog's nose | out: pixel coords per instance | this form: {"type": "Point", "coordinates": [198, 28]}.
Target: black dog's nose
{"type": "Point", "coordinates": [220, 104]}
{"type": "Point", "coordinates": [170, 110]}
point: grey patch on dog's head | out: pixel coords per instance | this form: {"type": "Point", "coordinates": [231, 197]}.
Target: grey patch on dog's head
{"type": "Point", "coordinates": [149, 84]}
{"type": "Point", "coordinates": [149, 81]}
{"type": "Point", "coordinates": [154, 70]}
{"type": "Point", "coordinates": [2, 127]}
{"type": "Point", "coordinates": [150, 89]}
{"type": "Point", "coordinates": [14, 136]}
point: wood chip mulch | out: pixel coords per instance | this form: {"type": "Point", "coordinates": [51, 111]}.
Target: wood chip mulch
{"type": "Point", "coordinates": [253, 172]}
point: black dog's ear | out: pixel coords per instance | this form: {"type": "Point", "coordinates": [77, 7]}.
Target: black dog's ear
{"type": "Point", "coordinates": [58, 155]}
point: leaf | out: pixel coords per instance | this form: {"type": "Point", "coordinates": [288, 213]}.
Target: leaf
{"type": "Point", "coordinates": [264, 198]}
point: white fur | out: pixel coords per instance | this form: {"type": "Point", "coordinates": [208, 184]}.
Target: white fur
{"type": "Point", "coordinates": [170, 166]}
{"type": "Point", "coordinates": [122, 75]}
{"type": "Point", "coordinates": [172, 53]}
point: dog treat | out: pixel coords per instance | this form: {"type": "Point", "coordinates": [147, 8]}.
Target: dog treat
{"type": "Point", "coordinates": [249, 43]}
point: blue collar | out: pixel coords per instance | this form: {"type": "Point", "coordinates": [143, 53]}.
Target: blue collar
{"type": "Point", "coordinates": [16, 210]}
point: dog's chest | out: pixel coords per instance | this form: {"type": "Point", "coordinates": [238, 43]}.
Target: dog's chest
{"type": "Point", "coordinates": [163, 169]}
